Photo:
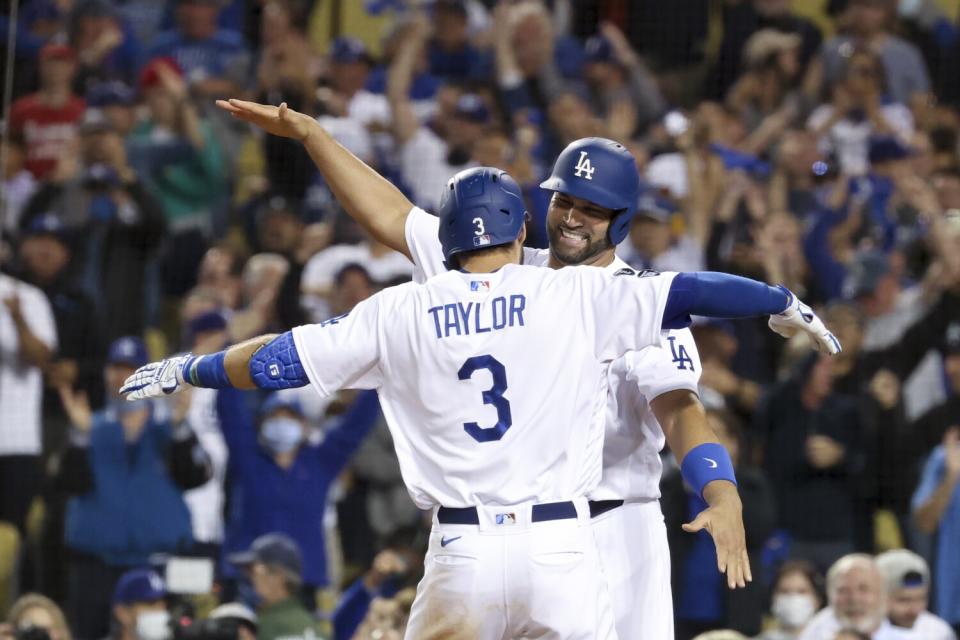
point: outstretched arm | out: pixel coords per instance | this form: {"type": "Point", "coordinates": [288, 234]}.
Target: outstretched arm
{"type": "Point", "coordinates": [369, 198]}
{"type": "Point", "coordinates": [721, 295]}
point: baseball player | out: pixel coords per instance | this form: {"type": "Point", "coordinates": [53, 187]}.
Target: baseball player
{"type": "Point", "coordinates": [504, 453]}
{"type": "Point", "coordinates": [652, 393]}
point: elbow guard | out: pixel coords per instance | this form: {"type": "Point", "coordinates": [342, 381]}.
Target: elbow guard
{"type": "Point", "coordinates": [277, 365]}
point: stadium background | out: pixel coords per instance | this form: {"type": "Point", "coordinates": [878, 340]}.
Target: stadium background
{"type": "Point", "coordinates": [813, 143]}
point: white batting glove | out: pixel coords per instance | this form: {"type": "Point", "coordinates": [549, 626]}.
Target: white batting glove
{"type": "Point", "coordinates": [799, 317]}
{"type": "Point", "coordinates": [157, 379]}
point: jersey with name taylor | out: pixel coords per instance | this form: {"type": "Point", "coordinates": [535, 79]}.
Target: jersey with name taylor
{"type": "Point", "coordinates": [489, 398]}
{"type": "Point", "coordinates": [633, 436]}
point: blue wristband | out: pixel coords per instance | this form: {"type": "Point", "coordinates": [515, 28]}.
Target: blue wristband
{"type": "Point", "coordinates": [704, 464]}
{"type": "Point", "coordinates": [208, 372]}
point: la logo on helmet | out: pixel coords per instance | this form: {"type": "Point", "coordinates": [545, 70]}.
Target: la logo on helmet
{"type": "Point", "coordinates": [584, 169]}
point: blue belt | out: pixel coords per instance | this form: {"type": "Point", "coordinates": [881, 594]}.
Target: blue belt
{"type": "Point", "coordinates": [539, 513]}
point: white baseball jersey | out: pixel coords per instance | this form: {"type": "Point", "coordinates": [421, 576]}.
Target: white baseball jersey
{"type": "Point", "coordinates": [634, 438]}
{"type": "Point", "coordinates": [474, 375]}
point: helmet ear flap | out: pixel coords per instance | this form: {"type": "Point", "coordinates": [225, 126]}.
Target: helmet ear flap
{"type": "Point", "coordinates": [619, 227]}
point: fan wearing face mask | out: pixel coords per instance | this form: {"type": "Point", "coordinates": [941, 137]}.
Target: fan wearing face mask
{"type": "Point", "coordinates": [797, 596]}
{"type": "Point", "coordinates": [140, 607]}
{"type": "Point", "coordinates": [279, 476]}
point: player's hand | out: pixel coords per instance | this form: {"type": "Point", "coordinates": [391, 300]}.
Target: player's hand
{"type": "Point", "coordinates": [157, 379]}
{"type": "Point", "coordinates": [723, 520]}
{"type": "Point", "coordinates": [799, 317]}
{"type": "Point", "coordinates": [279, 121]}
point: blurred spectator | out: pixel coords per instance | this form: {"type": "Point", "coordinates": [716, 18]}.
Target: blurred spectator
{"type": "Point", "coordinates": [721, 634]}
{"type": "Point", "coordinates": [275, 569]}
{"type": "Point", "coordinates": [116, 99]}
{"type": "Point", "coordinates": [128, 466]}
{"type": "Point", "coordinates": [239, 616]}
{"type": "Point", "coordinates": [365, 611]}
{"type": "Point", "coordinates": [347, 96]}
{"type": "Point", "coordinates": [36, 614]}
{"type": "Point", "coordinates": [44, 258]}
{"type": "Point", "coordinates": [810, 454]}
{"type": "Point", "coordinates": [701, 599]}
{"type": "Point", "coordinates": [851, 634]}
{"type": "Point", "coordinates": [28, 338]}
{"type": "Point", "coordinates": [936, 509]}
{"type": "Point", "coordinates": [206, 333]}
{"type": "Point", "coordinates": [451, 56]}
{"type": "Point", "coordinates": [870, 23]}
{"type": "Point", "coordinates": [742, 22]}
{"type": "Point", "coordinates": [624, 92]}
{"type": "Point", "coordinates": [17, 187]}
{"type": "Point", "coordinates": [215, 61]}
{"type": "Point", "coordinates": [319, 285]}
{"type": "Point", "coordinates": [652, 244]}
{"type": "Point", "coordinates": [861, 107]}
{"type": "Point", "coordinates": [115, 223]}
{"type": "Point", "coordinates": [798, 593]}
{"type": "Point", "coordinates": [907, 578]}
{"type": "Point", "coordinates": [927, 431]}
{"type": "Point", "coordinates": [106, 47]}
{"type": "Point", "coordinates": [279, 480]}
{"type": "Point", "coordinates": [139, 607]}
{"type": "Point", "coordinates": [431, 153]}
{"type": "Point", "coordinates": [46, 121]}
{"type": "Point", "coordinates": [856, 596]}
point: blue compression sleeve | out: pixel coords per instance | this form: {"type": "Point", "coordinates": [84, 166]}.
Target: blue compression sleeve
{"type": "Point", "coordinates": [208, 371]}
{"type": "Point", "coordinates": [720, 295]}
{"type": "Point", "coordinates": [276, 365]}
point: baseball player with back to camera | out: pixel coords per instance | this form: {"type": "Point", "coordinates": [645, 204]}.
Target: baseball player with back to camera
{"type": "Point", "coordinates": [652, 393]}
{"type": "Point", "coordinates": [510, 553]}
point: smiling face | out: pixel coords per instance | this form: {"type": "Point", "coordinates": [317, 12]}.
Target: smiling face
{"type": "Point", "coordinates": [577, 229]}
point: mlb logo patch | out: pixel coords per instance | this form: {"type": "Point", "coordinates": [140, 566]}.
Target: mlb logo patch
{"type": "Point", "coordinates": [479, 285]}
{"type": "Point", "coordinates": [506, 518]}
{"type": "Point", "coordinates": [482, 241]}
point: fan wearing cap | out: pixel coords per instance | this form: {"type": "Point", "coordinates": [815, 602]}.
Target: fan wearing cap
{"type": "Point", "coordinates": [117, 101]}
{"type": "Point", "coordinates": [44, 255]}
{"type": "Point", "coordinates": [273, 564]}
{"type": "Point", "coordinates": [279, 477]}
{"type": "Point", "coordinates": [651, 243]}
{"type": "Point", "coordinates": [139, 608]}
{"type": "Point", "coordinates": [450, 54]}
{"type": "Point", "coordinates": [126, 468]}
{"type": "Point", "coordinates": [105, 45]}
{"type": "Point", "coordinates": [215, 61]}
{"type": "Point", "coordinates": [623, 89]}
{"type": "Point", "coordinates": [908, 595]}
{"type": "Point", "coordinates": [47, 120]}
{"type": "Point", "coordinates": [431, 153]}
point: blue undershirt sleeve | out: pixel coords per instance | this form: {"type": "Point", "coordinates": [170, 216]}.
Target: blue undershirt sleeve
{"type": "Point", "coordinates": [720, 295]}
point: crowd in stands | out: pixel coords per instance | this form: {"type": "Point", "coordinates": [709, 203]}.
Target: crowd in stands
{"type": "Point", "coordinates": [810, 143]}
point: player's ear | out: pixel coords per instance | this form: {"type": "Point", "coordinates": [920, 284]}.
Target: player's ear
{"type": "Point", "coordinates": [523, 235]}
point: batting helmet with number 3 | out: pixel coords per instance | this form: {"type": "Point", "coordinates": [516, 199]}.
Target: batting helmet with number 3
{"type": "Point", "coordinates": [480, 208]}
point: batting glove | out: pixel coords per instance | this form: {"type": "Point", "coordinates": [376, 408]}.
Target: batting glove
{"type": "Point", "coordinates": [799, 317]}
{"type": "Point", "coordinates": [157, 378]}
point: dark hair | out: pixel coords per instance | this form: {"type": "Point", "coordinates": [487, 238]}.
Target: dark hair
{"type": "Point", "coordinates": [352, 267]}
{"type": "Point", "coordinates": [881, 76]}
{"type": "Point", "coordinates": [809, 571]}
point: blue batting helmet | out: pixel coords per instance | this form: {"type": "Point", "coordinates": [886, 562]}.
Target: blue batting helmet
{"type": "Point", "coordinates": [480, 208]}
{"type": "Point", "coordinates": [602, 171]}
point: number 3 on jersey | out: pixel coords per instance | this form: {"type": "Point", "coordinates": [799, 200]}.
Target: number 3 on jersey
{"type": "Point", "coordinates": [493, 395]}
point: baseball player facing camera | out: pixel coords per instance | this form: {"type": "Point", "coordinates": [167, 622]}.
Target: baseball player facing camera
{"type": "Point", "coordinates": [504, 454]}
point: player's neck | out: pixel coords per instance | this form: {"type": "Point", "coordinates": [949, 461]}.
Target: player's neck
{"type": "Point", "coordinates": [602, 259]}
{"type": "Point", "coordinates": [490, 260]}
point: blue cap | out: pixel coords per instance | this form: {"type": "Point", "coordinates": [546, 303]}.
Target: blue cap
{"type": "Point", "coordinates": [47, 223]}
{"type": "Point", "coordinates": [128, 350]}
{"type": "Point", "coordinates": [277, 401]}
{"type": "Point", "coordinates": [346, 49]}
{"type": "Point", "coordinates": [479, 208]}
{"type": "Point", "coordinates": [598, 49]}
{"type": "Point", "coordinates": [105, 94]}
{"type": "Point", "coordinates": [471, 107]}
{"type": "Point", "coordinates": [886, 149]}
{"type": "Point", "coordinates": [139, 585]}
{"type": "Point", "coordinates": [603, 172]}
{"type": "Point", "coordinates": [655, 207]}
{"type": "Point", "coordinates": [274, 549]}
{"type": "Point", "coordinates": [865, 273]}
